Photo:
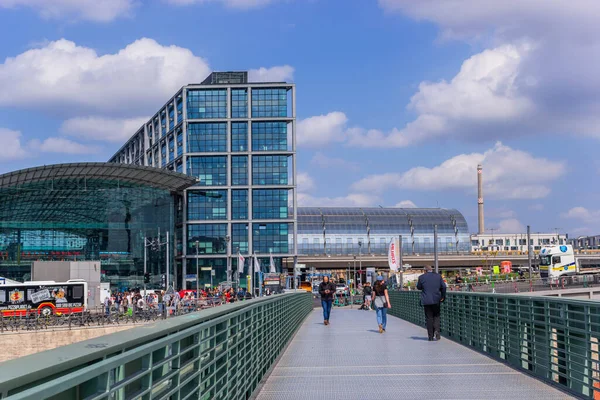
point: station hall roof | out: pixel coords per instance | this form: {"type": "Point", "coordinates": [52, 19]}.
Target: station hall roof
{"type": "Point", "coordinates": [132, 174]}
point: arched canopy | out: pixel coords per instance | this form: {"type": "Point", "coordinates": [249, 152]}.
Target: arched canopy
{"type": "Point", "coordinates": [139, 175]}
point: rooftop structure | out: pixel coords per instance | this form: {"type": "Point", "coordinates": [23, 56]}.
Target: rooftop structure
{"type": "Point", "coordinates": [350, 230]}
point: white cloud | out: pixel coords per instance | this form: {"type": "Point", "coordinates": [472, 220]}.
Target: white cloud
{"type": "Point", "coordinates": [406, 204]}
{"type": "Point", "coordinates": [351, 200]}
{"type": "Point", "coordinates": [305, 182]}
{"type": "Point", "coordinates": [519, 85]}
{"type": "Point", "coordinates": [60, 145]}
{"type": "Point", "coordinates": [582, 214]}
{"type": "Point", "coordinates": [238, 4]}
{"type": "Point", "coordinates": [117, 130]}
{"type": "Point", "coordinates": [323, 161]}
{"type": "Point", "coordinates": [507, 173]}
{"type": "Point", "coordinates": [11, 148]}
{"type": "Point", "coordinates": [284, 73]}
{"type": "Point", "coordinates": [90, 10]}
{"type": "Point", "coordinates": [511, 225]}
{"type": "Point", "coordinates": [321, 130]}
{"type": "Point", "coordinates": [68, 77]}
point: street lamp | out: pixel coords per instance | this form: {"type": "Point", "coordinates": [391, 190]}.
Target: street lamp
{"type": "Point", "coordinates": [359, 263]}
{"type": "Point", "coordinates": [197, 270]}
{"type": "Point", "coordinates": [228, 239]}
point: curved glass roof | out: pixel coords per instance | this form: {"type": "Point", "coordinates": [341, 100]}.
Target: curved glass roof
{"type": "Point", "coordinates": [133, 174]}
{"type": "Point", "coordinates": [349, 220]}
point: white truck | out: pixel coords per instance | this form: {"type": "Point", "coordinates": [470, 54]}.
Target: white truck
{"type": "Point", "coordinates": [556, 261]}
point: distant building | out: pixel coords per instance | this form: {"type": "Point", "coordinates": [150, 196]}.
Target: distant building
{"type": "Point", "coordinates": [586, 242]}
{"type": "Point", "coordinates": [515, 241]}
{"type": "Point", "coordinates": [344, 231]}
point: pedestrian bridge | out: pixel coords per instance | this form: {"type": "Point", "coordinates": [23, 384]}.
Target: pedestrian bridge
{"type": "Point", "coordinates": [493, 347]}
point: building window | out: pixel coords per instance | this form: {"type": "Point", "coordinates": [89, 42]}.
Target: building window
{"type": "Point", "coordinates": [163, 123]}
{"type": "Point", "coordinates": [211, 238]}
{"type": "Point", "coordinates": [270, 204]}
{"type": "Point", "coordinates": [239, 204]}
{"type": "Point", "coordinates": [269, 136]}
{"type": "Point", "coordinates": [239, 103]}
{"type": "Point", "coordinates": [269, 170]}
{"type": "Point", "coordinates": [239, 170]}
{"type": "Point", "coordinates": [207, 138]}
{"type": "Point", "coordinates": [179, 142]}
{"type": "Point", "coordinates": [270, 238]}
{"type": "Point", "coordinates": [163, 154]}
{"type": "Point", "coordinates": [171, 148]}
{"type": "Point", "coordinates": [210, 171]}
{"type": "Point", "coordinates": [239, 136]}
{"type": "Point", "coordinates": [269, 103]}
{"type": "Point", "coordinates": [239, 238]}
{"type": "Point", "coordinates": [179, 166]}
{"type": "Point", "coordinates": [207, 103]}
{"type": "Point", "coordinates": [207, 205]}
{"type": "Point", "coordinates": [171, 117]}
{"type": "Point", "coordinates": [179, 110]}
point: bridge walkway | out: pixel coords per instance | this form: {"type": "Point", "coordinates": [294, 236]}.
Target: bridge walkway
{"type": "Point", "coordinates": [349, 359]}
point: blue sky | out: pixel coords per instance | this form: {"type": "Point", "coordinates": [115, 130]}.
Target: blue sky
{"type": "Point", "coordinates": [398, 101]}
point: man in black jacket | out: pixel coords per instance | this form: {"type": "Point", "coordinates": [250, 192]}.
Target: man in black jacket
{"type": "Point", "coordinates": [433, 292]}
{"type": "Point", "coordinates": [326, 290]}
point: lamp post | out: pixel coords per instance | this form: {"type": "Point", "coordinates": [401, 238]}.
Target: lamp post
{"type": "Point", "coordinates": [359, 263]}
{"type": "Point", "coordinates": [197, 269]}
{"type": "Point", "coordinates": [228, 239]}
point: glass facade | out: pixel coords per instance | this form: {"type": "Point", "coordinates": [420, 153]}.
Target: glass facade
{"type": "Point", "coordinates": [239, 170]}
{"type": "Point", "coordinates": [269, 103]}
{"type": "Point", "coordinates": [269, 170]}
{"type": "Point", "coordinates": [203, 103]}
{"type": "Point", "coordinates": [269, 136]}
{"type": "Point", "coordinates": [271, 238]}
{"type": "Point", "coordinates": [87, 217]}
{"type": "Point", "coordinates": [211, 238]}
{"type": "Point", "coordinates": [239, 204]}
{"type": "Point", "coordinates": [269, 203]}
{"type": "Point", "coordinates": [239, 103]}
{"type": "Point", "coordinates": [207, 137]}
{"type": "Point", "coordinates": [229, 138]}
{"type": "Point", "coordinates": [374, 228]}
{"type": "Point", "coordinates": [210, 171]}
{"type": "Point", "coordinates": [207, 204]}
{"type": "Point", "coordinates": [239, 136]}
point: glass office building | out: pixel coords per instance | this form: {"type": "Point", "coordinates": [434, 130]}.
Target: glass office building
{"type": "Point", "coordinates": [237, 139]}
{"type": "Point", "coordinates": [91, 212]}
{"type": "Point", "coordinates": [347, 231]}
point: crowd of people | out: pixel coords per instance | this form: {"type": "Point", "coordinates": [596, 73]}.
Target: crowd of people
{"type": "Point", "coordinates": [161, 300]}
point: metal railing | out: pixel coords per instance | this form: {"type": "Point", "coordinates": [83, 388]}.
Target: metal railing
{"type": "Point", "coordinates": [221, 353]}
{"type": "Point", "coordinates": [526, 285]}
{"type": "Point", "coordinates": [551, 338]}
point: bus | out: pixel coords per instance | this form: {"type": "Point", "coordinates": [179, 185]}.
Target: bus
{"type": "Point", "coordinates": [43, 297]}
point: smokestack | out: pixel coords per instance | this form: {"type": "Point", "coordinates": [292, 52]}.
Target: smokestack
{"type": "Point", "coordinates": [480, 198]}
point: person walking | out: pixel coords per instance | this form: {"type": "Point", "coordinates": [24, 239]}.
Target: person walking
{"type": "Point", "coordinates": [367, 294]}
{"type": "Point", "coordinates": [326, 291]}
{"type": "Point", "coordinates": [433, 293]}
{"type": "Point", "coordinates": [381, 300]}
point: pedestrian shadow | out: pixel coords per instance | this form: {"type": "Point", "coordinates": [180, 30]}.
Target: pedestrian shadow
{"type": "Point", "coordinates": [419, 338]}
{"type": "Point", "coordinates": [373, 330]}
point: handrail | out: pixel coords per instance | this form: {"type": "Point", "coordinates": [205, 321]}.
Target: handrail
{"type": "Point", "coordinates": [196, 344]}
{"type": "Point", "coordinates": [554, 339]}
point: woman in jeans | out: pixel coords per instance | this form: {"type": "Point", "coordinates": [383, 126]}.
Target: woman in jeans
{"type": "Point", "coordinates": [381, 300]}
